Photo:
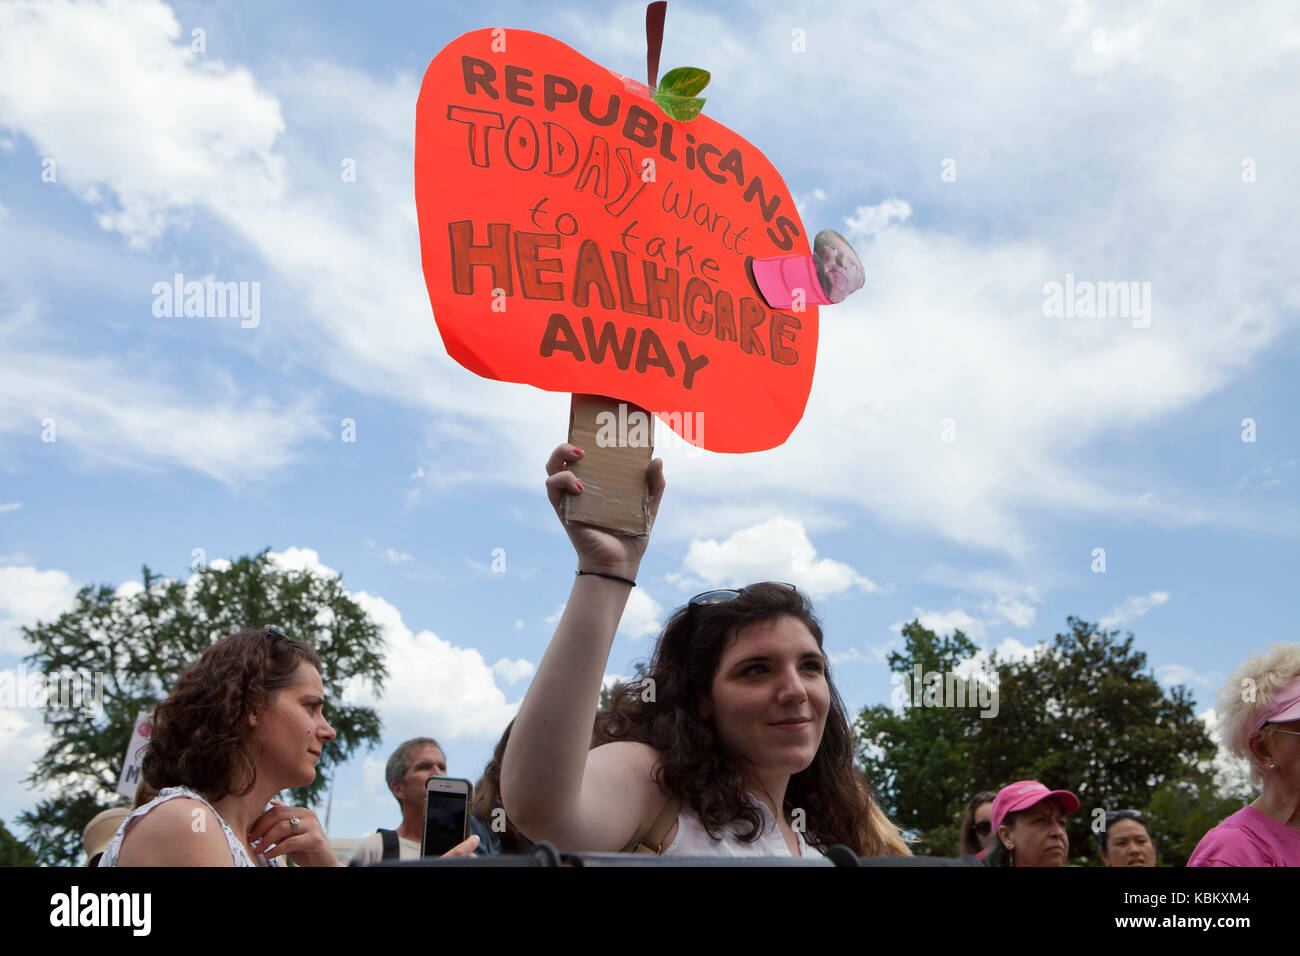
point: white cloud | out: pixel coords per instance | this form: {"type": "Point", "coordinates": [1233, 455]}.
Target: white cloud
{"type": "Point", "coordinates": [642, 617]}
{"type": "Point", "coordinates": [387, 555]}
{"type": "Point", "coordinates": [116, 411]}
{"type": "Point", "coordinates": [512, 672]}
{"type": "Point", "coordinates": [10, 506]}
{"type": "Point", "coordinates": [28, 596]}
{"type": "Point", "coordinates": [129, 589]}
{"type": "Point", "coordinates": [1012, 650]}
{"type": "Point", "coordinates": [433, 683]}
{"type": "Point", "coordinates": [875, 653]}
{"type": "Point", "coordinates": [945, 622]}
{"type": "Point", "coordinates": [777, 549]}
{"type": "Point", "coordinates": [959, 297]}
{"type": "Point", "coordinates": [958, 294]}
{"type": "Point", "coordinates": [1170, 674]}
{"type": "Point", "coordinates": [846, 656]}
{"type": "Point", "coordinates": [1004, 599]}
{"type": "Point", "coordinates": [1018, 612]}
{"type": "Point", "coordinates": [1133, 608]}
{"type": "Point", "coordinates": [1008, 651]}
{"type": "Point", "coordinates": [159, 133]}
{"type": "Point", "coordinates": [22, 740]}
{"type": "Point", "coordinates": [866, 221]}
{"type": "Point", "coordinates": [301, 559]}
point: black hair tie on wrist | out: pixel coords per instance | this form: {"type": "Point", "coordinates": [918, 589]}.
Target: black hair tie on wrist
{"type": "Point", "coordinates": [612, 577]}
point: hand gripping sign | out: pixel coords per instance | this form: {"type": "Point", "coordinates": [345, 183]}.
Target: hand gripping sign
{"type": "Point", "coordinates": [577, 239]}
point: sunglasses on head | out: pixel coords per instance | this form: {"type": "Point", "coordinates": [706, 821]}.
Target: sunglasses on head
{"type": "Point", "coordinates": [1124, 815]}
{"type": "Point", "coordinates": [721, 596]}
{"type": "Point", "coordinates": [273, 631]}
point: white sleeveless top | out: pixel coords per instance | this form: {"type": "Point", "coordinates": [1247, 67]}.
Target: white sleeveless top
{"type": "Point", "coordinates": [237, 849]}
{"type": "Point", "coordinates": [693, 840]}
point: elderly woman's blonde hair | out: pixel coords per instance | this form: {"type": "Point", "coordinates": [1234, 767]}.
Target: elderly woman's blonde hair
{"type": "Point", "coordinates": [1250, 694]}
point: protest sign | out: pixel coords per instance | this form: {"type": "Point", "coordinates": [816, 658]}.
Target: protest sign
{"type": "Point", "coordinates": [577, 239]}
{"type": "Point", "coordinates": [129, 779]}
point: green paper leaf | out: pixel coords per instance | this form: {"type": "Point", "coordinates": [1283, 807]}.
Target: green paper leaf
{"type": "Point", "coordinates": [682, 108]}
{"type": "Point", "coordinates": [684, 81]}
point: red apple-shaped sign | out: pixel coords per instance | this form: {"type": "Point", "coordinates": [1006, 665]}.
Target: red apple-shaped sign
{"type": "Point", "coordinates": [576, 239]}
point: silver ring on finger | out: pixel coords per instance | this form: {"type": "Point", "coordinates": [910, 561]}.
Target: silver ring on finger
{"type": "Point", "coordinates": [293, 824]}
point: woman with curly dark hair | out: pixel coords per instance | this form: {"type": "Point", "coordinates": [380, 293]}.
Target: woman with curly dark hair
{"type": "Point", "coordinates": [735, 742]}
{"type": "Point", "coordinates": [243, 723]}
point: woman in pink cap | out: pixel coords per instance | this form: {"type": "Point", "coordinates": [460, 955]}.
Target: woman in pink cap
{"type": "Point", "coordinates": [1029, 826]}
{"type": "Point", "coordinates": [1259, 712]}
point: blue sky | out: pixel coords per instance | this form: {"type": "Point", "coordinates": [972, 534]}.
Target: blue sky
{"type": "Point", "coordinates": [1111, 142]}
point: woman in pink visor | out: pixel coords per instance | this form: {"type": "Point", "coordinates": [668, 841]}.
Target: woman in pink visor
{"type": "Point", "coordinates": [1029, 826]}
{"type": "Point", "coordinates": [1259, 711]}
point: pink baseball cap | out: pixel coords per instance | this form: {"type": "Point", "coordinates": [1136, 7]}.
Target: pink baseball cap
{"type": "Point", "coordinates": [780, 276]}
{"type": "Point", "coordinates": [1025, 793]}
{"type": "Point", "coordinates": [1285, 707]}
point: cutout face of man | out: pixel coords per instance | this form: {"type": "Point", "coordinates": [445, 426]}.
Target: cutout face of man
{"type": "Point", "coordinates": [838, 267]}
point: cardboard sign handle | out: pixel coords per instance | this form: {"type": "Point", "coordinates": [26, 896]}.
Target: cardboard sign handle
{"type": "Point", "coordinates": [617, 439]}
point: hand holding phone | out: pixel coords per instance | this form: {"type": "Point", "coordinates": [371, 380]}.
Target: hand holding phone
{"type": "Point", "coordinates": [447, 803]}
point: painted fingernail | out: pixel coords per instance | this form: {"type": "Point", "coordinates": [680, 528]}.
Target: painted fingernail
{"type": "Point", "coordinates": [579, 451]}
{"type": "Point", "coordinates": [580, 488]}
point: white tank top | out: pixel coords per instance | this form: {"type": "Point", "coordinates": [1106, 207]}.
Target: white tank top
{"type": "Point", "coordinates": [693, 840]}
{"type": "Point", "coordinates": [237, 849]}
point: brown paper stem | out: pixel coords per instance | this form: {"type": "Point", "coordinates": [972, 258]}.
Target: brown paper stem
{"type": "Point", "coordinates": [654, 39]}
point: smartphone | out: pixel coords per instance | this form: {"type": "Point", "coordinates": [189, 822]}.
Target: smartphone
{"type": "Point", "coordinates": [447, 806]}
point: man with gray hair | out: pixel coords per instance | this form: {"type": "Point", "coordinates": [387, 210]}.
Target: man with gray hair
{"type": "Point", "coordinates": [409, 769]}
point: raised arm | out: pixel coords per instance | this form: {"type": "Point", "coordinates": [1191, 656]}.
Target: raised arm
{"type": "Point", "coordinates": [551, 787]}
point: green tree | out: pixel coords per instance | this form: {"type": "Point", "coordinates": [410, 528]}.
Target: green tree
{"type": "Point", "coordinates": [1082, 714]}
{"type": "Point", "coordinates": [13, 852]}
{"type": "Point", "coordinates": [1087, 715]}
{"type": "Point", "coordinates": [1181, 812]}
{"type": "Point", "coordinates": [141, 642]}
{"type": "Point", "coordinates": [915, 757]}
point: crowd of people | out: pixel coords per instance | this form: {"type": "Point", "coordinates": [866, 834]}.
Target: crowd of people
{"type": "Point", "coordinates": [735, 743]}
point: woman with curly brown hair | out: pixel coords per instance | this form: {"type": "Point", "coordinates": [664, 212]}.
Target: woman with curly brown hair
{"type": "Point", "coordinates": [243, 723]}
{"type": "Point", "coordinates": [736, 742]}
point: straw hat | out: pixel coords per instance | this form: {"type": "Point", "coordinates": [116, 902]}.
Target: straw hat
{"type": "Point", "coordinates": [100, 831]}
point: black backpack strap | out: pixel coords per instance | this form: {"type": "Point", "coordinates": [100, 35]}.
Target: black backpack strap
{"type": "Point", "coordinates": [392, 851]}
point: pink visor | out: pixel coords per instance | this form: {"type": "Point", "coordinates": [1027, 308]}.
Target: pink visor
{"type": "Point", "coordinates": [1024, 794]}
{"type": "Point", "coordinates": [779, 278]}
{"type": "Point", "coordinates": [1285, 707]}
